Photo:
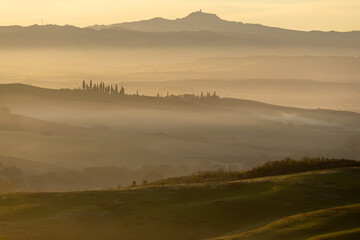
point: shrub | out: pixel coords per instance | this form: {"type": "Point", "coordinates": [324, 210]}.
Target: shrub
{"type": "Point", "coordinates": [271, 168]}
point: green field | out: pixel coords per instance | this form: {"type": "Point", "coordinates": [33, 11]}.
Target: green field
{"type": "Point", "coordinates": [287, 206]}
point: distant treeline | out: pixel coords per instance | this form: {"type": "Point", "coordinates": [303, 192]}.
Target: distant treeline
{"type": "Point", "coordinates": [271, 168]}
{"type": "Point", "coordinates": [116, 90]}
{"type": "Point", "coordinates": [102, 87]}
{"type": "Point", "coordinates": [13, 179]}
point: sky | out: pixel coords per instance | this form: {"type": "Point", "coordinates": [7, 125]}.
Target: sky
{"type": "Point", "coordinates": [326, 15]}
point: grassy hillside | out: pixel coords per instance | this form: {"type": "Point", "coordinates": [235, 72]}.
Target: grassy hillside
{"type": "Point", "coordinates": [342, 235]}
{"type": "Point", "coordinates": [192, 211]}
{"type": "Point", "coordinates": [333, 223]}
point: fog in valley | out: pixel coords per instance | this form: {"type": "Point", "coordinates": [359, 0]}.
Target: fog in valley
{"type": "Point", "coordinates": [195, 126]}
{"type": "Point", "coordinates": [85, 139]}
{"type": "Point", "coordinates": [304, 81]}
{"type": "Point", "coordinates": [273, 93]}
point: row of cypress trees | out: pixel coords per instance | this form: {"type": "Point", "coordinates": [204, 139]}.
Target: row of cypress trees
{"type": "Point", "coordinates": [102, 87]}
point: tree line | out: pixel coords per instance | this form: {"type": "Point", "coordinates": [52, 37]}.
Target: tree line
{"type": "Point", "coordinates": [115, 89]}
{"type": "Point", "coordinates": [102, 87]}
{"type": "Point", "coordinates": [270, 168]}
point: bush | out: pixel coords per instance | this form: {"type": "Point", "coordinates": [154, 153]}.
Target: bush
{"type": "Point", "coordinates": [272, 168]}
{"type": "Point", "coordinates": [288, 166]}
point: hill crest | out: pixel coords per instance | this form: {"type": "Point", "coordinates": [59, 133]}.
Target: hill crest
{"type": "Point", "coordinates": [195, 21]}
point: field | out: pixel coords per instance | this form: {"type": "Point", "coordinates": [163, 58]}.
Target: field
{"type": "Point", "coordinates": [312, 205]}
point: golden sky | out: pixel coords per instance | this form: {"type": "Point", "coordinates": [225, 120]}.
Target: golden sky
{"type": "Point", "coordinates": [340, 15]}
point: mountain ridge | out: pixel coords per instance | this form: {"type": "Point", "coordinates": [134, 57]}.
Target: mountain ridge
{"type": "Point", "coordinates": [197, 30]}
{"type": "Point", "coordinates": [195, 21]}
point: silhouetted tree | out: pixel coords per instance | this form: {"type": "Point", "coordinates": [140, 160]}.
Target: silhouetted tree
{"type": "Point", "coordinates": [122, 91]}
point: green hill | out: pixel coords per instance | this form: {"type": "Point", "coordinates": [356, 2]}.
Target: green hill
{"type": "Point", "coordinates": [343, 235]}
{"type": "Point", "coordinates": [333, 223]}
{"type": "Point", "coordinates": [193, 211]}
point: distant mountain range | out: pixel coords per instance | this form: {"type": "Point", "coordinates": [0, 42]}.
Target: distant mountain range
{"type": "Point", "coordinates": [196, 21]}
{"type": "Point", "coordinates": [196, 30]}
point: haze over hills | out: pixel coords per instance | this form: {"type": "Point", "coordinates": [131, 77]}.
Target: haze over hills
{"type": "Point", "coordinates": [201, 30]}
{"type": "Point", "coordinates": [189, 128]}
{"type": "Point", "coordinates": [94, 129]}
{"type": "Point", "coordinates": [329, 82]}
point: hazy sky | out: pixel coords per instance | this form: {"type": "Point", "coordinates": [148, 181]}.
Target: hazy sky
{"type": "Point", "coordinates": [342, 15]}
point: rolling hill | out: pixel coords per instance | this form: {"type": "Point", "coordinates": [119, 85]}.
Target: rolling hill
{"type": "Point", "coordinates": [31, 143]}
{"type": "Point", "coordinates": [332, 223]}
{"type": "Point", "coordinates": [85, 126]}
{"type": "Point", "coordinates": [317, 204]}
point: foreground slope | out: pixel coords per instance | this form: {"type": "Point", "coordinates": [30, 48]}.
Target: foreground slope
{"type": "Point", "coordinates": [332, 223]}
{"type": "Point", "coordinates": [193, 211]}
